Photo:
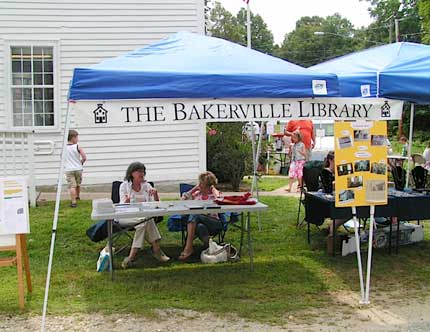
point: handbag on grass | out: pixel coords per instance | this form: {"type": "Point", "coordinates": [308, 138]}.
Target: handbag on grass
{"type": "Point", "coordinates": [216, 253]}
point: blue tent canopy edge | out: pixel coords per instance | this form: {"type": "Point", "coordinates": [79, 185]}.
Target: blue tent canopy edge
{"type": "Point", "coordinates": [188, 65]}
{"type": "Point", "coordinates": [397, 71]}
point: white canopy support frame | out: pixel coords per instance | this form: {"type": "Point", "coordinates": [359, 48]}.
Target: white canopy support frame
{"type": "Point", "coordinates": [56, 212]}
{"type": "Point", "coordinates": [411, 132]}
{"type": "Point", "coordinates": [254, 185]}
{"type": "Point", "coordinates": [256, 156]}
{"type": "Point", "coordinates": [262, 110]}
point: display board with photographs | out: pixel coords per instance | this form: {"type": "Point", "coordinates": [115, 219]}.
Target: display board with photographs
{"type": "Point", "coordinates": [361, 163]}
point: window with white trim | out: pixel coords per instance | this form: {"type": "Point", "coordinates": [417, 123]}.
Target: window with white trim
{"type": "Point", "coordinates": [32, 86]}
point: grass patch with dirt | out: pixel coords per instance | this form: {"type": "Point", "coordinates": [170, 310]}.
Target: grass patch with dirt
{"type": "Point", "coordinates": [268, 183]}
{"type": "Point", "coordinates": [290, 275]}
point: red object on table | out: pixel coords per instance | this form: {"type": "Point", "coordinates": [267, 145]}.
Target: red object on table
{"type": "Point", "coordinates": [244, 199]}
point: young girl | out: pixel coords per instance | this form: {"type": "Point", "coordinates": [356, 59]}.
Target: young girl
{"type": "Point", "coordinates": [202, 225]}
{"type": "Point", "coordinates": [298, 159]}
{"type": "Point", "coordinates": [404, 144]}
{"type": "Point", "coordinates": [135, 189]}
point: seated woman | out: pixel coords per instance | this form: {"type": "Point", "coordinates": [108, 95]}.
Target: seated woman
{"type": "Point", "coordinates": [329, 168]}
{"type": "Point", "coordinates": [136, 189]}
{"type": "Point", "coordinates": [327, 174]}
{"type": "Point", "coordinates": [202, 225]}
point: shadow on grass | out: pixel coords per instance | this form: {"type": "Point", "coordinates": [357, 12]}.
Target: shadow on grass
{"type": "Point", "coordinates": [289, 274]}
{"type": "Point", "coordinates": [402, 274]}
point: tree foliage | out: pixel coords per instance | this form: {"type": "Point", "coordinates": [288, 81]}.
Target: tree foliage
{"type": "Point", "coordinates": [228, 155]}
{"type": "Point", "coordinates": [224, 25]}
{"type": "Point", "coordinates": [385, 12]}
{"type": "Point", "coordinates": [316, 39]}
{"type": "Point", "coordinates": [233, 28]}
{"type": "Point", "coordinates": [424, 12]}
{"type": "Point", "coordinates": [261, 36]}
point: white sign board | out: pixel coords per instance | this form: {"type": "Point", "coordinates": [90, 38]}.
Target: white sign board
{"type": "Point", "coordinates": [93, 113]}
{"type": "Point", "coordinates": [14, 217]}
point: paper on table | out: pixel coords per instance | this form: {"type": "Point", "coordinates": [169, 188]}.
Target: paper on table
{"type": "Point", "coordinates": [126, 208]}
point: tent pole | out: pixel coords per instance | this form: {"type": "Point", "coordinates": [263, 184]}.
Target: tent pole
{"type": "Point", "coordinates": [369, 255]}
{"type": "Point", "coordinates": [411, 129]}
{"type": "Point", "coordinates": [55, 220]}
{"type": "Point", "coordinates": [357, 245]}
{"type": "Point", "coordinates": [257, 157]}
{"type": "Point", "coordinates": [253, 157]}
{"type": "Point", "coordinates": [254, 184]}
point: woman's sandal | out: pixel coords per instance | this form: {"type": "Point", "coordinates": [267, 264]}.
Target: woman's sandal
{"type": "Point", "coordinates": [184, 256]}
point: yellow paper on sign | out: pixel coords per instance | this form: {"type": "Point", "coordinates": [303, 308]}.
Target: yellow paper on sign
{"type": "Point", "coordinates": [361, 163]}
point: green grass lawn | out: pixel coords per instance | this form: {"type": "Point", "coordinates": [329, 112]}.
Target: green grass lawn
{"type": "Point", "coordinates": [268, 183]}
{"type": "Point", "coordinates": [290, 275]}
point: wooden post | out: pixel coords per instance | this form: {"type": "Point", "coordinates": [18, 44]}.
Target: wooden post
{"type": "Point", "coordinates": [20, 259]}
{"type": "Point", "coordinates": [26, 262]}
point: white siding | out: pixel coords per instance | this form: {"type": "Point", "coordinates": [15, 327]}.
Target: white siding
{"type": "Point", "coordinates": [87, 32]}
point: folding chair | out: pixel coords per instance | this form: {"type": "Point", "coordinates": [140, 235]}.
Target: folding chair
{"type": "Point", "coordinates": [419, 174]}
{"type": "Point", "coordinates": [311, 182]}
{"type": "Point", "coordinates": [327, 179]}
{"type": "Point", "coordinates": [399, 177]}
{"type": "Point", "coordinates": [179, 223]}
{"type": "Point", "coordinates": [123, 229]}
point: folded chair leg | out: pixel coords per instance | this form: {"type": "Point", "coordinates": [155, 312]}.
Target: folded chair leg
{"type": "Point", "coordinates": [300, 204]}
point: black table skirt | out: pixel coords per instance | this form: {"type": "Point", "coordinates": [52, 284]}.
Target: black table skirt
{"type": "Point", "coordinates": [404, 205]}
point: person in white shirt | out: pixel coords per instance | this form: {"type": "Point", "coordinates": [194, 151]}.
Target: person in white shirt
{"type": "Point", "coordinates": [135, 189]}
{"type": "Point", "coordinates": [426, 155]}
{"type": "Point", "coordinates": [73, 166]}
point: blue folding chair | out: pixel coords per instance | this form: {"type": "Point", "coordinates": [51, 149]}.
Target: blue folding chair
{"type": "Point", "coordinates": [177, 223]}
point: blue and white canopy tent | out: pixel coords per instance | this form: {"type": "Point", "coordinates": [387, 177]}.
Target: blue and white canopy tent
{"type": "Point", "coordinates": [189, 77]}
{"type": "Point", "coordinates": [187, 65]}
{"type": "Point", "coordinates": [391, 71]}
{"type": "Point", "coordinates": [398, 71]}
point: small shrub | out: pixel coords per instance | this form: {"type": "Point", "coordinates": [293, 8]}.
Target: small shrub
{"type": "Point", "coordinates": [229, 155]}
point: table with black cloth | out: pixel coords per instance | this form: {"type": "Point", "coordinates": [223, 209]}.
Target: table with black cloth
{"type": "Point", "coordinates": [405, 205]}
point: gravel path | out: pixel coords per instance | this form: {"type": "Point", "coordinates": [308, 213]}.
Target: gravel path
{"type": "Point", "coordinates": [344, 315]}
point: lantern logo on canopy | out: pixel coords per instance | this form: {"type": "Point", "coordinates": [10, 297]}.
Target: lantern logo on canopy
{"type": "Point", "coordinates": [100, 114]}
{"type": "Point", "coordinates": [385, 110]}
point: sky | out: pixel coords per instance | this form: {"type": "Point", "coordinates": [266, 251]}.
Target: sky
{"type": "Point", "coordinates": [281, 15]}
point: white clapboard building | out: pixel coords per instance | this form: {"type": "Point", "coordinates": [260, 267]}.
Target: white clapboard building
{"type": "Point", "coordinates": [42, 41]}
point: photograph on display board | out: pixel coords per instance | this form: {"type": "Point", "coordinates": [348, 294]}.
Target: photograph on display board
{"type": "Point", "coordinates": [355, 182]}
{"type": "Point", "coordinates": [362, 166]}
{"type": "Point", "coordinates": [376, 191]}
{"type": "Point", "coordinates": [379, 168]}
{"type": "Point", "coordinates": [344, 142]}
{"type": "Point", "coordinates": [346, 196]}
{"type": "Point", "coordinates": [379, 140]}
{"type": "Point", "coordinates": [344, 169]}
{"type": "Point", "coordinates": [362, 135]}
